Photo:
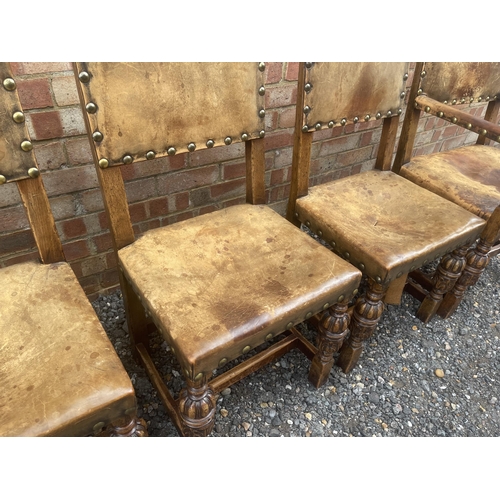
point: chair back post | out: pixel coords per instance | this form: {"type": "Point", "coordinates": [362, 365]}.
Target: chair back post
{"type": "Point", "coordinates": [18, 164]}
{"type": "Point", "coordinates": [255, 171]}
{"type": "Point", "coordinates": [491, 115]}
{"type": "Point", "coordinates": [410, 124]}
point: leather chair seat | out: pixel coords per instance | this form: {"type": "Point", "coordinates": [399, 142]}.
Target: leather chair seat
{"type": "Point", "coordinates": [222, 283]}
{"type": "Point", "coordinates": [384, 224]}
{"type": "Point", "coordinates": [468, 176]}
{"type": "Point", "coordinates": [59, 373]}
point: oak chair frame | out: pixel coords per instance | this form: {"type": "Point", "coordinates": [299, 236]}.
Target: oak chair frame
{"type": "Point", "coordinates": [472, 261]}
{"type": "Point", "coordinates": [23, 169]}
{"type": "Point", "coordinates": [193, 411]}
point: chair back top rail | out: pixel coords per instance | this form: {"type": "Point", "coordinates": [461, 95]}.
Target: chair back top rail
{"type": "Point", "coordinates": [340, 93]}
{"type": "Point", "coordinates": [139, 111]}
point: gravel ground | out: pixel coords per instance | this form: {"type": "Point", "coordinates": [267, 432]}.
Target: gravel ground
{"type": "Point", "coordinates": [413, 379]}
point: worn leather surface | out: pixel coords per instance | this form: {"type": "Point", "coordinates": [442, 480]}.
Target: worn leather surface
{"type": "Point", "coordinates": [348, 90]}
{"type": "Point", "coordinates": [153, 106]}
{"type": "Point", "coordinates": [468, 176]}
{"type": "Point", "coordinates": [385, 222]}
{"type": "Point", "coordinates": [445, 81]}
{"type": "Point", "coordinates": [225, 280]}
{"type": "Point", "coordinates": [14, 162]}
{"type": "Point", "coordinates": [59, 373]}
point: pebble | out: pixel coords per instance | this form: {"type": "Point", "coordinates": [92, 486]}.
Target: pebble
{"type": "Point", "coordinates": [439, 373]}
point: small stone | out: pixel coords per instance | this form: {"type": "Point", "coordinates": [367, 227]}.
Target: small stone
{"type": "Point", "coordinates": [384, 426]}
{"type": "Point", "coordinates": [249, 434]}
{"type": "Point", "coordinates": [246, 426]}
{"type": "Point", "coordinates": [226, 391]}
{"type": "Point", "coordinates": [439, 373]}
{"type": "Point", "coordinates": [264, 405]}
{"type": "Point", "coordinates": [493, 400]}
{"type": "Point", "coordinates": [224, 412]}
{"type": "Point", "coordinates": [414, 328]}
{"type": "Point", "coordinates": [308, 416]}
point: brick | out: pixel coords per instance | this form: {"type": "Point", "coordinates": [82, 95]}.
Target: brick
{"type": "Point", "coordinates": [69, 180]}
{"type": "Point", "coordinates": [271, 120]}
{"type": "Point", "coordinates": [200, 197]}
{"type": "Point", "coordinates": [35, 94]}
{"type": "Point", "coordinates": [109, 278]}
{"type": "Point", "coordinates": [102, 242]}
{"type": "Point", "coordinates": [13, 219]}
{"type": "Point", "coordinates": [73, 228]}
{"type": "Point", "coordinates": [92, 200]}
{"type": "Point", "coordinates": [236, 201]}
{"type": "Point", "coordinates": [292, 71]}
{"type": "Point", "coordinates": [274, 72]}
{"type": "Point", "coordinates": [18, 259]}
{"type": "Point", "coordinates": [62, 207]}
{"type": "Point", "coordinates": [158, 207]}
{"type": "Point", "coordinates": [9, 195]}
{"type": "Point", "coordinates": [16, 242]}
{"type": "Point", "coordinates": [45, 125]}
{"type": "Point", "coordinates": [280, 176]}
{"type": "Point", "coordinates": [339, 144]}
{"type": "Point", "coordinates": [72, 122]}
{"type": "Point", "coordinates": [217, 155]}
{"type": "Point", "coordinates": [32, 68]}
{"type": "Point", "coordinates": [50, 156]}
{"type": "Point", "coordinates": [454, 142]}
{"type": "Point", "coordinates": [227, 189]}
{"type": "Point", "coordinates": [76, 250]}
{"type": "Point", "coordinates": [187, 179]}
{"type": "Point", "coordinates": [287, 118]}
{"type": "Point", "coordinates": [93, 265]}
{"type": "Point", "coordinates": [79, 151]}
{"type": "Point", "coordinates": [233, 171]}
{"type": "Point", "coordinates": [181, 201]}
{"type": "Point", "coordinates": [141, 189]}
{"type": "Point", "coordinates": [354, 156]}
{"type": "Point", "coordinates": [283, 157]}
{"type": "Point", "coordinates": [208, 210]}
{"type": "Point", "coordinates": [90, 284]}
{"type": "Point", "coordinates": [284, 95]}
{"type": "Point", "coordinates": [137, 212]}
{"type": "Point", "coordinates": [65, 91]}
{"type": "Point", "coordinates": [280, 139]}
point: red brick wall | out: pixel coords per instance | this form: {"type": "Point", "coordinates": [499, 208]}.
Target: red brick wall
{"type": "Point", "coordinates": [171, 189]}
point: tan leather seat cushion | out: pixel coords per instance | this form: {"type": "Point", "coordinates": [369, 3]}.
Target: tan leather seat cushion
{"type": "Point", "coordinates": [387, 224]}
{"type": "Point", "coordinates": [59, 373]}
{"type": "Point", "coordinates": [225, 280]}
{"type": "Point", "coordinates": [468, 176]}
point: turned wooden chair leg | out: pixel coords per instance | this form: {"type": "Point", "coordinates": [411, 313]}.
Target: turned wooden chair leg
{"type": "Point", "coordinates": [365, 317]}
{"type": "Point", "coordinates": [449, 270]}
{"type": "Point", "coordinates": [332, 330]}
{"type": "Point", "coordinates": [128, 426]}
{"type": "Point", "coordinates": [197, 408]}
{"type": "Point", "coordinates": [475, 262]}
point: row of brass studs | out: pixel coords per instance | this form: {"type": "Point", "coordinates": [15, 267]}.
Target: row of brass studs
{"type": "Point", "coordinates": [464, 100]}
{"type": "Point", "coordinates": [440, 114]}
{"type": "Point", "coordinates": [18, 117]}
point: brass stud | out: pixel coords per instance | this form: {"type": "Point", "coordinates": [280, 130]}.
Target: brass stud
{"type": "Point", "coordinates": [317, 126]}
{"type": "Point", "coordinates": [320, 233]}
{"type": "Point", "coordinates": [9, 84]}
{"type": "Point", "coordinates": [454, 119]}
{"type": "Point", "coordinates": [150, 155]}
{"type": "Point", "coordinates": [34, 173]}
{"type": "Point", "coordinates": [399, 111]}
{"type": "Point", "coordinates": [97, 136]}
{"type": "Point", "coordinates": [341, 298]}
{"type": "Point", "coordinates": [244, 137]}
{"type": "Point", "coordinates": [389, 114]}
{"type": "Point", "coordinates": [309, 65]}
{"type": "Point", "coordinates": [361, 266]}
{"type": "Point", "coordinates": [262, 113]}
{"type": "Point", "coordinates": [469, 126]}
{"type": "Point", "coordinates": [419, 91]}
{"type": "Point", "coordinates": [454, 101]}
{"type": "Point", "coordinates": [26, 146]}
{"type": "Point", "coordinates": [246, 349]}
{"type": "Point", "coordinates": [332, 243]}
{"type": "Point", "coordinates": [191, 147]}
{"type": "Point", "coordinates": [228, 141]}
{"type": "Point", "coordinates": [307, 109]}
{"type": "Point", "coordinates": [262, 133]}
{"type": "Point", "coordinates": [262, 66]}
{"type": "Point", "coordinates": [484, 132]}
{"type": "Point", "coordinates": [354, 292]}
{"type": "Point", "coordinates": [199, 376]}
{"type": "Point", "coordinates": [289, 325]}
{"type": "Point", "coordinates": [269, 336]}
{"type": "Point", "coordinates": [331, 123]}
{"type": "Point", "coordinates": [399, 274]}
{"type": "Point", "coordinates": [405, 76]}
{"type": "Point", "coordinates": [402, 95]}
{"type": "Point", "coordinates": [445, 102]}
{"type": "Point", "coordinates": [18, 117]}
{"type": "Point", "coordinates": [186, 372]}
{"type": "Point", "coordinates": [307, 87]}
{"type": "Point", "coordinates": [347, 255]}
{"type": "Point", "coordinates": [262, 90]}
{"type": "Point", "coordinates": [173, 352]}
{"type": "Point", "coordinates": [479, 99]}
{"type": "Point", "coordinates": [297, 215]}
{"type": "Point", "coordinates": [326, 306]}
{"type": "Point", "coordinates": [427, 109]}
{"type": "Point", "coordinates": [367, 117]}
{"type": "Point", "coordinates": [471, 100]}
{"type": "Point", "coordinates": [487, 97]}
{"type": "Point", "coordinates": [127, 159]}
{"type": "Point", "coordinates": [222, 362]}
{"type": "Point", "coordinates": [305, 128]}
{"type": "Point", "coordinates": [103, 163]}
{"type": "Point", "coordinates": [99, 426]}
{"type": "Point", "coordinates": [3, 180]}
{"type": "Point", "coordinates": [440, 114]}
{"type": "Point", "coordinates": [91, 108]}
{"type": "Point", "coordinates": [308, 223]}
{"type": "Point", "coordinates": [462, 101]}
{"type": "Point", "coordinates": [423, 74]}
{"type": "Point", "coordinates": [84, 77]}
{"type": "Point", "coordinates": [378, 115]}
{"type": "Point", "coordinates": [171, 151]}
{"type": "Point", "coordinates": [343, 121]}
{"type": "Point", "coordinates": [210, 143]}
{"type": "Point", "coordinates": [308, 315]}
{"type": "Point", "coordinates": [378, 279]}
{"type": "Point", "coordinates": [355, 119]}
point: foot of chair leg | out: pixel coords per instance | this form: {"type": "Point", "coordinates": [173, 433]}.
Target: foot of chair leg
{"type": "Point", "coordinates": [366, 315]}
{"type": "Point", "coordinates": [449, 270]}
{"type": "Point", "coordinates": [332, 330]}
{"type": "Point", "coordinates": [475, 262]}
{"type": "Point", "coordinates": [197, 408]}
{"type": "Point", "coordinates": [129, 426]}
